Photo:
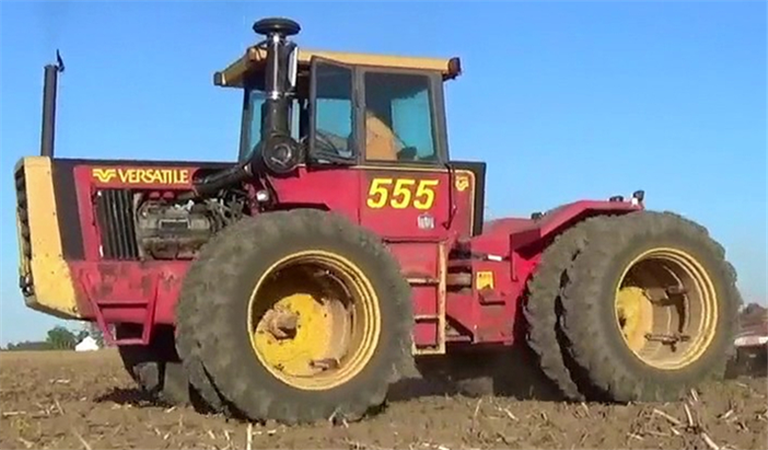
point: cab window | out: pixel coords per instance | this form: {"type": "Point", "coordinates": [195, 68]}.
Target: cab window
{"type": "Point", "coordinates": [398, 117]}
{"type": "Point", "coordinates": [334, 112]}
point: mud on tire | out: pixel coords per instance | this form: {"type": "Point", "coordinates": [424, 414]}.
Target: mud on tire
{"type": "Point", "coordinates": [248, 250]}
{"type": "Point", "coordinates": [594, 337]}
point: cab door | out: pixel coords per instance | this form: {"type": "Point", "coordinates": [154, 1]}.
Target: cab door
{"type": "Point", "coordinates": [384, 129]}
{"type": "Point", "coordinates": [405, 202]}
{"type": "Point", "coordinates": [408, 189]}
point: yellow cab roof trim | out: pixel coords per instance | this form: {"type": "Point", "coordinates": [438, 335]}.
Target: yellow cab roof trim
{"type": "Point", "coordinates": [254, 57]}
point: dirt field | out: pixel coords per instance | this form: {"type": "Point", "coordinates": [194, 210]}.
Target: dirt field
{"type": "Point", "coordinates": [69, 400]}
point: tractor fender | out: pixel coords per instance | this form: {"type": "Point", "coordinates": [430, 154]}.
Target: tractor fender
{"type": "Point", "coordinates": [519, 235]}
{"type": "Point", "coordinates": [557, 219]}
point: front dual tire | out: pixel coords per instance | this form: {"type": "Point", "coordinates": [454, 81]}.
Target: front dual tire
{"type": "Point", "coordinates": [299, 316]}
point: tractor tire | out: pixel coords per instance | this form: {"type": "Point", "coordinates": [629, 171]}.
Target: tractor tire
{"type": "Point", "coordinates": [645, 283]}
{"type": "Point", "coordinates": [241, 335]}
{"type": "Point", "coordinates": [155, 367]}
{"type": "Point", "coordinates": [542, 308]}
{"type": "Point", "coordinates": [188, 318]}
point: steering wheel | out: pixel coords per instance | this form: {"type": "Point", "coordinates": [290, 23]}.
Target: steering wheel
{"type": "Point", "coordinates": [324, 138]}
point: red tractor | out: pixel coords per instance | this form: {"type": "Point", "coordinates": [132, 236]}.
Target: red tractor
{"type": "Point", "coordinates": [302, 281]}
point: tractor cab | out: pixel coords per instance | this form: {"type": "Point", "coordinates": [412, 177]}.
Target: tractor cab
{"type": "Point", "coordinates": [367, 108]}
{"type": "Point", "coordinates": [380, 116]}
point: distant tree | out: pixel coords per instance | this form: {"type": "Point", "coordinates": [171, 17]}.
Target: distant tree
{"type": "Point", "coordinates": [95, 333]}
{"type": "Point", "coordinates": [61, 338]}
{"type": "Point", "coordinates": [30, 346]}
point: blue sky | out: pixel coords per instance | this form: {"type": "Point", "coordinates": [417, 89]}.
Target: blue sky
{"type": "Point", "coordinates": [564, 100]}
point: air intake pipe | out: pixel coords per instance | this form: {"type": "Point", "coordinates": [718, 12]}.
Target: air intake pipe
{"type": "Point", "coordinates": [48, 126]}
{"type": "Point", "coordinates": [277, 83]}
{"type": "Point", "coordinates": [277, 152]}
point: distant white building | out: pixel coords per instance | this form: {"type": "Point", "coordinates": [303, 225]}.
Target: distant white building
{"type": "Point", "coordinates": [88, 344]}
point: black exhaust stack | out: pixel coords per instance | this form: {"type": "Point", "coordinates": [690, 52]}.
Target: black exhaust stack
{"type": "Point", "coordinates": [278, 152]}
{"type": "Point", "coordinates": [50, 84]}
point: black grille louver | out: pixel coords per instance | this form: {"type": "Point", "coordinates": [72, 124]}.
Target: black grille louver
{"type": "Point", "coordinates": [21, 205]}
{"type": "Point", "coordinates": [114, 212]}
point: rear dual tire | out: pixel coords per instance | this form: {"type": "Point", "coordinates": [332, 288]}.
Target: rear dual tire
{"type": "Point", "coordinates": [572, 310]}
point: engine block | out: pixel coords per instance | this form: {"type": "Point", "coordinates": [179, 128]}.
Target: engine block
{"type": "Point", "coordinates": [172, 231]}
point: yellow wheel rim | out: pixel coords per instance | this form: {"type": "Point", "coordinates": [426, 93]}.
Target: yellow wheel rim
{"type": "Point", "coordinates": [314, 320]}
{"type": "Point", "coordinates": [666, 308]}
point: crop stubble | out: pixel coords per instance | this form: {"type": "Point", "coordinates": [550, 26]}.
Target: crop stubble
{"type": "Point", "coordinates": [86, 400]}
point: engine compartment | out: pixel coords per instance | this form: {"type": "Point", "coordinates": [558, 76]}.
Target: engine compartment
{"type": "Point", "coordinates": [158, 226]}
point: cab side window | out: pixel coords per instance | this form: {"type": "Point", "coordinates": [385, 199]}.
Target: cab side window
{"type": "Point", "coordinates": [398, 117]}
{"type": "Point", "coordinates": [334, 110]}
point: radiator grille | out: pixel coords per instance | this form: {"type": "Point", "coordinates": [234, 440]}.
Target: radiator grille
{"type": "Point", "coordinates": [114, 212]}
{"type": "Point", "coordinates": [23, 214]}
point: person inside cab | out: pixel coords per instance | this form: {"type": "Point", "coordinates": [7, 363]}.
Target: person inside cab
{"type": "Point", "coordinates": [381, 143]}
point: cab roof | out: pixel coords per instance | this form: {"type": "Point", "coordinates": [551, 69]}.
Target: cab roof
{"type": "Point", "coordinates": [255, 58]}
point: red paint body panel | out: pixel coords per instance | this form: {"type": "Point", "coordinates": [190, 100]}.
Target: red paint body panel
{"type": "Point", "coordinates": [332, 188]}
{"type": "Point", "coordinates": [524, 232]}
{"type": "Point", "coordinates": [417, 259]}
{"type": "Point", "coordinates": [425, 333]}
{"type": "Point", "coordinates": [146, 292]}
{"type": "Point", "coordinates": [128, 291]}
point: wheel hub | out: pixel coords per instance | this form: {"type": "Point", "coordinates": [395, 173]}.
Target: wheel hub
{"type": "Point", "coordinates": [293, 334]}
{"type": "Point", "coordinates": [666, 308]}
{"type": "Point", "coordinates": [313, 322]}
{"type": "Point", "coordinates": [281, 323]}
{"type": "Point", "coordinates": [635, 316]}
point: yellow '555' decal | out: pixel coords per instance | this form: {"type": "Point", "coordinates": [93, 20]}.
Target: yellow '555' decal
{"type": "Point", "coordinates": [401, 193]}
